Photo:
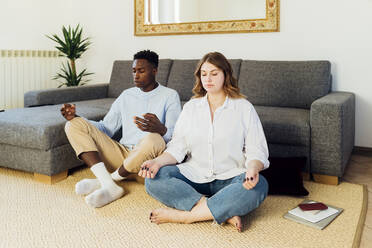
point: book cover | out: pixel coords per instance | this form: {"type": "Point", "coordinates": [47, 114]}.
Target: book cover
{"type": "Point", "coordinates": [319, 222]}
{"type": "Point", "coordinates": [313, 216]}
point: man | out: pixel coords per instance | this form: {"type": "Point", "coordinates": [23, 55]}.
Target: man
{"type": "Point", "coordinates": [147, 114]}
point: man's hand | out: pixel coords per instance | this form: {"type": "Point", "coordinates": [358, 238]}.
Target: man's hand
{"type": "Point", "coordinates": [68, 111]}
{"type": "Point", "coordinates": [149, 169]}
{"type": "Point", "coordinates": [150, 123]}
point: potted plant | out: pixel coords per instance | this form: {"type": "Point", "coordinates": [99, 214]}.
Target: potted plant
{"type": "Point", "coordinates": [71, 46]}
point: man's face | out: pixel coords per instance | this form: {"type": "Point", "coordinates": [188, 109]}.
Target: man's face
{"type": "Point", "coordinates": [144, 74]}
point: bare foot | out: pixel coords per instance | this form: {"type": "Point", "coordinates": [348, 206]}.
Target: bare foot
{"type": "Point", "coordinates": [166, 215]}
{"type": "Point", "coordinates": [236, 221]}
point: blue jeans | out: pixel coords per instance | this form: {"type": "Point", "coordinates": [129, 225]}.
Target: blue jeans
{"type": "Point", "coordinates": [225, 198]}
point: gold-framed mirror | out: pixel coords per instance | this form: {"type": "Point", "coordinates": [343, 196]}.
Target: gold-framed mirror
{"type": "Point", "coordinates": [172, 17]}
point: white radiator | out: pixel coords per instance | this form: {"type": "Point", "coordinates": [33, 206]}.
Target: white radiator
{"type": "Point", "coordinates": [25, 70]}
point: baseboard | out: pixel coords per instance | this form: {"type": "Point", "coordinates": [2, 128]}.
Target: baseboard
{"type": "Point", "coordinates": [365, 151]}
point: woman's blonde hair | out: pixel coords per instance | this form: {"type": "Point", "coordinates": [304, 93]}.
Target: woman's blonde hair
{"type": "Point", "coordinates": [230, 85]}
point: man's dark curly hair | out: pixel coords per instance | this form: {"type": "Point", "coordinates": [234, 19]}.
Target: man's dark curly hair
{"type": "Point", "coordinates": [150, 56]}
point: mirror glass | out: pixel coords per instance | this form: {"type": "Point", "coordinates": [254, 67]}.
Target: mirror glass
{"type": "Point", "coordinates": [180, 11]}
{"type": "Point", "coordinates": [169, 17]}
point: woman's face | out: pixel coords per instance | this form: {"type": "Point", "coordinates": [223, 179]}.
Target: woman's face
{"type": "Point", "coordinates": [212, 78]}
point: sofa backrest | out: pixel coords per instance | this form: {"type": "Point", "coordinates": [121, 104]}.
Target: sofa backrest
{"type": "Point", "coordinates": [181, 77]}
{"type": "Point", "coordinates": [267, 83]}
{"type": "Point", "coordinates": [284, 83]}
{"type": "Point", "coordinates": [121, 76]}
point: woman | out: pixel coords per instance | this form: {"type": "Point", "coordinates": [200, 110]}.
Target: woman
{"type": "Point", "coordinates": [222, 135]}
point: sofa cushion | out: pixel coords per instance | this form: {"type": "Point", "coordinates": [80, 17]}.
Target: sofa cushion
{"type": "Point", "coordinates": [289, 126]}
{"type": "Point", "coordinates": [40, 127]}
{"type": "Point", "coordinates": [235, 65]}
{"type": "Point", "coordinates": [182, 79]}
{"type": "Point", "coordinates": [66, 94]}
{"type": "Point", "coordinates": [122, 78]}
{"type": "Point", "coordinates": [104, 103]}
{"type": "Point", "coordinates": [285, 84]}
{"type": "Point", "coordinates": [164, 68]}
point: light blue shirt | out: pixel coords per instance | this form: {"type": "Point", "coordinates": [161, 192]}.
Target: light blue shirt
{"type": "Point", "coordinates": [161, 101]}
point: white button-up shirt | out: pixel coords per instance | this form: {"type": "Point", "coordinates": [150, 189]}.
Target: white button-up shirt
{"type": "Point", "coordinates": [218, 149]}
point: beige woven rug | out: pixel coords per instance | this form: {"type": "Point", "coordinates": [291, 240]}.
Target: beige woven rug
{"type": "Point", "coordinates": [33, 214]}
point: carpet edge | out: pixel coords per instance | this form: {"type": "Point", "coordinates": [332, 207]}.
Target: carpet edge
{"type": "Point", "coordinates": [362, 218]}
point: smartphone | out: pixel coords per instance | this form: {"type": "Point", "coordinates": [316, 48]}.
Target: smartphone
{"type": "Point", "coordinates": [312, 206]}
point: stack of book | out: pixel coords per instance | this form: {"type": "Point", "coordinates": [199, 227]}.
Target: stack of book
{"type": "Point", "coordinates": [314, 218]}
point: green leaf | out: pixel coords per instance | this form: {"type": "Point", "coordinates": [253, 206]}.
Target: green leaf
{"type": "Point", "coordinates": [71, 45]}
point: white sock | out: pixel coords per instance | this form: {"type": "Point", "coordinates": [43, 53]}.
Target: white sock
{"type": "Point", "coordinates": [109, 191]}
{"type": "Point", "coordinates": [104, 177]}
{"type": "Point", "coordinates": [87, 186]}
{"type": "Point", "coordinates": [116, 176]}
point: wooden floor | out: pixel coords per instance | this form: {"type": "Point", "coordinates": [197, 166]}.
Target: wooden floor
{"type": "Point", "coordinates": [359, 170]}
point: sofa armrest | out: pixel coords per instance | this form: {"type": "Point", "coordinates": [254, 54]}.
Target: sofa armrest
{"type": "Point", "coordinates": [332, 122]}
{"type": "Point", "coordinates": [65, 95]}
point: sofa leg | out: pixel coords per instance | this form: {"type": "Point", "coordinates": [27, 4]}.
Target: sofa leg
{"type": "Point", "coordinates": [51, 179]}
{"type": "Point", "coordinates": [333, 180]}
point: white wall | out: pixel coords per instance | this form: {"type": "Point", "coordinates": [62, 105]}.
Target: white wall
{"type": "Point", "coordinates": [23, 23]}
{"type": "Point", "coordinates": [219, 10]}
{"type": "Point", "coordinates": [335, 30]}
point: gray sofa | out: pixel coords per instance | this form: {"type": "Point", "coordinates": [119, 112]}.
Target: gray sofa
{"type": "Point", "coordinates": [299, 113]}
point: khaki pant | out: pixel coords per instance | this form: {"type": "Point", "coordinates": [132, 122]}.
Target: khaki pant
{"type": "Point", "coordinates": [85, 137]}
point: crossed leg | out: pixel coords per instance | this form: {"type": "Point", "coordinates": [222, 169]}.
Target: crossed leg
{"type": "Point", "coordinates": [187, 205]}
{"type": "Point", "coordinates": [101, 153]}
{"type": "Point", "coordinates": [200, 212]}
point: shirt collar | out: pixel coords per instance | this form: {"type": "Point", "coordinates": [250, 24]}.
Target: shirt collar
{"type": "Point", "coordinates": [150, 93]}
{"type": "Point", "coordinates": [204, 101]}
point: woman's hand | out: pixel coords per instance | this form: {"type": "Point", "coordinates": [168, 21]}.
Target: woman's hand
{"type": "Point", "coordinates": [251, 177]}
{"type": "Point", "coordinates": [149, 169]}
